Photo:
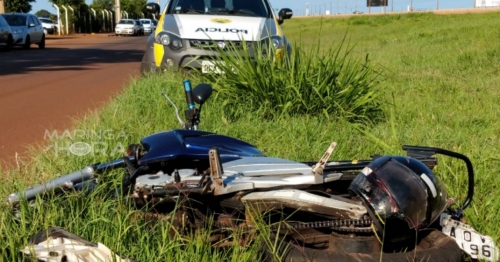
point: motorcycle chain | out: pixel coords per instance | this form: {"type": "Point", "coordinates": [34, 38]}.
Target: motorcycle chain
{"type": "Point", "coordinates": [346, 225]}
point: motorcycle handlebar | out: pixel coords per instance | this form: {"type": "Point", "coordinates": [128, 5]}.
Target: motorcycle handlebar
{"type": "Point", "coordinates": [74, 179]}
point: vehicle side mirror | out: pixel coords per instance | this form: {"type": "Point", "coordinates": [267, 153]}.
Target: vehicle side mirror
{"type": "Point", "coordinates": [32, 25]}
{"type": "Point", "coordinates": [284, 13]}
{"type": "Point", "coordinates": [201, 93]}
{"type": "Point", "coordinates": [153, 8]}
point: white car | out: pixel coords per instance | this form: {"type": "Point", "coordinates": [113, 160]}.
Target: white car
{"type": "Point", "coordinates": [128, 27]}
{"type": "Point", "coordinates": [148, 25]}
{"type": "Point", "coordinates": [26, 29]}
{"type": "Point", "coordinates": [48, 25]}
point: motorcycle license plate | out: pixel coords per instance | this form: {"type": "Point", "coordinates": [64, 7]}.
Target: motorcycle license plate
{"type": "Point", "coordinates": [476, 245]}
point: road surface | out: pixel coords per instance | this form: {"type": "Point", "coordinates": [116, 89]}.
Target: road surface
{"type": "Point", "coordinates": [44, 89]}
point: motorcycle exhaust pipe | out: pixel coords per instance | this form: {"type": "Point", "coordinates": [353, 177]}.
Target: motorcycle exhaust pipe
{"type": "Point", "coordinates": [66, 181]}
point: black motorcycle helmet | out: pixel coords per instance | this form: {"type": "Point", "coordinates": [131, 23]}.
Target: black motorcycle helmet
{"type": "Point", "coordinates": [401, 194]}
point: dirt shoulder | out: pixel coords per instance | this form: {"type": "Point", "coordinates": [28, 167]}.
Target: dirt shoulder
{"type": "Point", "coordinates": [44, 89]}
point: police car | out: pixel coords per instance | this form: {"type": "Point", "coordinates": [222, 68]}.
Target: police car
{"type": "Point", "coordinates": [188, 30]}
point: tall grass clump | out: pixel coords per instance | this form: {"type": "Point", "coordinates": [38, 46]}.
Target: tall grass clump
{"type": "Point", "coordinates": [298, 81]}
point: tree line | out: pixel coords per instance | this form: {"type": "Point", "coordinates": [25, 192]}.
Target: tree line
{"type": "Point", "coordinates": [82, 18]}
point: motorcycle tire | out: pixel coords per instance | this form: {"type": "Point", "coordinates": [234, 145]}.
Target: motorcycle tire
{"type": "Point", "coordinates": [436, 246]}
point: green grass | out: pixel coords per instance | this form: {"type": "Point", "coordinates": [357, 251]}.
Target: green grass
{"type": "Point", "coordinates": [442, 90]}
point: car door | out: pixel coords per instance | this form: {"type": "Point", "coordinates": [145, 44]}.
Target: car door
{"type": "Point", "coordinates": [35, 29]}
{"type": "Point", "coordinates": [39, 26]}
{"type": "Point", "coordinates": [137, 26]}
{"type": "Point", "coordinates": [4, 31]}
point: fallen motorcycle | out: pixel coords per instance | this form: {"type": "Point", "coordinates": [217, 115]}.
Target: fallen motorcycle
{"type": "Point", "coordinates": [384, 208]}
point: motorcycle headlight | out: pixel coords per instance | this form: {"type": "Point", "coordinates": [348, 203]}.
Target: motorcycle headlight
{"type": "Point", "coordinates": [169, 39]}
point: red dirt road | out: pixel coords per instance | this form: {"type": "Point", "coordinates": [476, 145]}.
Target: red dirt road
{"type": "Point", "coordinates": [44, 89]}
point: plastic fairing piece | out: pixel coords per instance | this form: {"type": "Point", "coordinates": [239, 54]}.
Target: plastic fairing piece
{"type": "Point", "coordinates": [56, 244]}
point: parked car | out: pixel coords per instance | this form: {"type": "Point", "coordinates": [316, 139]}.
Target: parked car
{"type": "Point", "coordinates": [48, 25]}
{"type": "Point", "coordinates": [6, 39]}
{"type": "Point", "coordinates": [155, 24]}
{"type": "Point", "coordinates": [127, 27]}
{"type": "Point", "coordinates": [141, 27]}
{"type": "Point", "coordinates": [191, 28]}
{"type": "Point", "coordinates": [26, 29]}
{"type": "Point", "coordinates": [147, 24]}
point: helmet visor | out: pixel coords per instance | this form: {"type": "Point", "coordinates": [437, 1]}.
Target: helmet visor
{"type": "Point", "coordinates": [407, 190]}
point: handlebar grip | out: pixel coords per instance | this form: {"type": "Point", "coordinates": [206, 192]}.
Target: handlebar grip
{"type": "Point", "coordinates": [31, 193]}
{"type": "Point", "coordinates": [189, 94]}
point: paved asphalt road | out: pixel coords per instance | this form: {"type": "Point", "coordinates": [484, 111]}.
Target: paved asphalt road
{"type": "Point", "coordinates": [44, 89]}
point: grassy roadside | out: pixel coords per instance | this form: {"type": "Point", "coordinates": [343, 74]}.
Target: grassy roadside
{"type": "Point", "coordinates": [442, 91]}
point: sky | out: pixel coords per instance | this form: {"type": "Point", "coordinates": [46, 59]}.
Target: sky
{"type": "Point", "coordinates": [337, 6]}
{"type": "Point", "coordinates": [349, 6]}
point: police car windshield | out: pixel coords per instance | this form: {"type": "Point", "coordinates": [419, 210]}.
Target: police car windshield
{"type": "Point", "coordinates": [257, 8]}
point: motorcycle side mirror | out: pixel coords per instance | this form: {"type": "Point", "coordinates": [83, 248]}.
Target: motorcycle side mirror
{"type": "Point", "coordinates": [201, 93]}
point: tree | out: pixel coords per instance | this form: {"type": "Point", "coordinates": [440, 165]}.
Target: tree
{"type": "Point", "coordinates": [72, 3]}
{"type": "Point", "coordinates": [22, 6]}
{"type": "Point", "coordinates": [43, 13]}
{"type": "Point", "coordinates": [133, 6]}
{"type": "Point", "coordinates": [103, 4]}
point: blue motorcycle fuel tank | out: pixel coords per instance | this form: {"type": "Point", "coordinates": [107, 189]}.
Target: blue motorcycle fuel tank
{"type": "Point", "coordinates": [189, 144]}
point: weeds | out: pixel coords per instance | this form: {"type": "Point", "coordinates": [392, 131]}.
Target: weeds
{"type": "Point", "coordinates": [297, 81]}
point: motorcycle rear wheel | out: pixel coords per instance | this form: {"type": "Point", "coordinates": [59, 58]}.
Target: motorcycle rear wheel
{"type": "Point", "coordinates": [435, 246]}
